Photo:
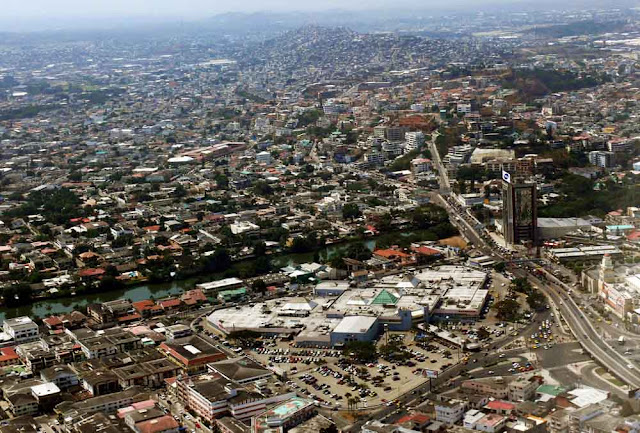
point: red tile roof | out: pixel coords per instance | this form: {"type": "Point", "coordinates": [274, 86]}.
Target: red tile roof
{"type": "Point", "coordinates": [130, 317]}
{"type": "Point", "coordinates": [157, 425]}
{"type": "Point", "coordinates": [192, 296]}
{"type": "Point", "coordinates": [500, 405]}
{"type": "Point", "coordinates": [52, 321]}
{"type": "Point", "coordinates": [390, 253]}
{"type": "Point", "coordinates": [145, 305]}
{"type": "Point", "coordinates": [419, 418]}
{"type": "Point", "coordinates": [170, 303]}
{"type": "Point", "coordinates": [91, 272]}
{"type": "Point", "coordinates": [426, 251]}
{"type": "Point", "coordinates": [8, 354]}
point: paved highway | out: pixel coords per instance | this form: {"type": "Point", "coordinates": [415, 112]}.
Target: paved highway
{"type": "Point", "coordinates": [579, 324]}
{"type": "Point", "coordinates": [445, 186]}
{"type": "Point", "coordinates": [586, 334]}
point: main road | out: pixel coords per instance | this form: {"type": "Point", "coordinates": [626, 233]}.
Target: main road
{"type": "Point", "coordinates": [579, 324]}
{"type": "Point", "coordinates": [585, 333]}
{"type": "Point", "coordinates": [445, 185]}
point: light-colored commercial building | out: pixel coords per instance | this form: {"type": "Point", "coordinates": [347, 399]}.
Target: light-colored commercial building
{"type": "Point", "coordinates": [450, 412]}
{"type": "Point", "coordinates": [21, 329]}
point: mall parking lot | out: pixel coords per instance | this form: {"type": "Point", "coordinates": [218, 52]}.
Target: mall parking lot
{"type": "Point", "coordinates": [406, 359]}
{"type": "Point", "coordinates": [326, 376]}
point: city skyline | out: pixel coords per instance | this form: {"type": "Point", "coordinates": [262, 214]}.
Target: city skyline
{"type": "Point", "coordinates": [41, 15]}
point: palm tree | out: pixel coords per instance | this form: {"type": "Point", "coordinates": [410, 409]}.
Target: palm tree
{"type": "Point", "coordinates": [353, 403]}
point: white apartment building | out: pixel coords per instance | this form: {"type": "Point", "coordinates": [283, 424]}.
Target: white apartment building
{"type": "Point", "coordinates": [600, 158]}
{"type": "Point", "coordinates": [522, 389]}
{"type": "Point", "coordinates": [450, 412]}
{"type": "Point", "coordinates": [471, 418]}
{"type": "Point", "coordinates": [263, 157]}
{"type": "Point", "coordinates": [463, 108]}
{"type": "Point", "coordinates": [414, 140]}
{"type": "Point", "coordinates": [421, 165]}
{"type": "Point", "coordinates": [21, 329]}
{"type": "Point", "coordinates": [374, 158]}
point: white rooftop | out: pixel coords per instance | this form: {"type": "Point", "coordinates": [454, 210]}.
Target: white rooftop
{"type": "Point", "coordinates": [23, 320]}
{"type": "Point", "coordinates": [45, 389]}
{"type": "Point", "coordinates": [587, 395]}
{"type": "Point", "coordinates": [355, 324]}
{"type": "Point", "coordinates": [219, 284]}
{"type": "Point", "coordinates": [192, 349]}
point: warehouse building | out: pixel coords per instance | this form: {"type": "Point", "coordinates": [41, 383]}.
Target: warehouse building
{"type": "Point", "coordinates": [338, 313]}
{"type": "Point", "coordinates": [355, 328]}
{"type": "Point", "coordinates": [554, 228]}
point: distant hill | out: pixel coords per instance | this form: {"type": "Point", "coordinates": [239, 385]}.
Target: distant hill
{"type": "Point", "coordinates": [539, 82]}
{"type": "Point", "coordinates": [578, 28]}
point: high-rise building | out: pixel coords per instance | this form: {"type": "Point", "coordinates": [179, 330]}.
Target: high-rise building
{"type": "Point", "coordinates": [414, 140]}
{"type": "Point", "coordinates": [519, 211]}
{"type": "Point", "coordinates": [601, 158]}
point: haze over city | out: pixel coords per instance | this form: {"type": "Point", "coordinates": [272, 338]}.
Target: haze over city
{"type": "Point", "coordinates": [298, 217]}
{"type": "Point", "coordinates": [38, 15]}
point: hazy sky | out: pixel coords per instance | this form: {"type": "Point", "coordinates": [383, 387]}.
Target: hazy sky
{"type": "Point", "coordinates": [53, 14]}
{"type": "Point", "coordinates": [62, 14]}
{"type": "Point", "coordinates": [196, 8]}
{"type": "Point", "coordinates": [185, 8]}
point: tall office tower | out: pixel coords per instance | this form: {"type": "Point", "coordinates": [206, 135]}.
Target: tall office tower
{"type": "Point", "coordinates": [519, 211]}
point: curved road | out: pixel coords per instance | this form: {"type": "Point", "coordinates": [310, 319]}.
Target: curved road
{"type": "Point", "coordinates": [579, 324]}
{"type": "Point", "coordinates": [586, 334]}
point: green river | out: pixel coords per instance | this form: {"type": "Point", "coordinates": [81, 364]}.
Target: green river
{"type": "Point", "coordinates": [157, 291]}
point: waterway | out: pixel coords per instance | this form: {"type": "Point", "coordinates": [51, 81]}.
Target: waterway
{"type": "Point", "coordinates": [161, 290]}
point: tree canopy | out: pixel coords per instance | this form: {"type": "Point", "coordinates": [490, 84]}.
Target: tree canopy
{"type": "Point", "coordinates": [351, 211]}
{"type": "Point", "coordinates": [57, 206]}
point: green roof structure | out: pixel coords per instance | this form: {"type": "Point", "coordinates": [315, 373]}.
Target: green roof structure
{"type": "Point", "coordinates": [550, 390]}
{"type": "Point", "coordinates": [385, 298]}
{"type": "Point", "coordinates": [234, 293]}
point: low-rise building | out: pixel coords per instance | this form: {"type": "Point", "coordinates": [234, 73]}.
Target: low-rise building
{"type": "Point", "coordinates": [21, 329]}
{"type": "Point", "coordinates": [241, 370]}
{"type": "Point", "coordinates": [450, 411]}
{"type": "Point", "coordinates": [523, 388]}
{"type": "Point", "coordinates": [355, 328]}
{"type": "Point", "coordinates": [283, 416]}
{"type": "Point", "coordinates": [174, 332]}
{"type": "Point", "coordinates": [191, 354]}
{"type": "Point", "coordinates": [471, 418]}
{"type": "Point", "coordinates": [491, 423]}
{"type": "Point", "coordinates": [212, 396]}
{"type": "Point", "coordinates": [150, 374]}
{"type": "Point", "coordinates": [63, 376]}
{"type": "Point", "coordinates": [99, 382]}
{"type": "Point", "coordinates": [108, 403]}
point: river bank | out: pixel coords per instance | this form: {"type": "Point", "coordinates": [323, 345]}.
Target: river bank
{"type": "Point", "coordinates": [141, 292]}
